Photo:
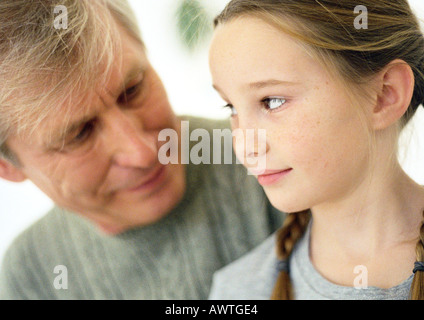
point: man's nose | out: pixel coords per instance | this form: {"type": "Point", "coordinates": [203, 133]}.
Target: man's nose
{"type": "Point", "coordinates": [130, 144]}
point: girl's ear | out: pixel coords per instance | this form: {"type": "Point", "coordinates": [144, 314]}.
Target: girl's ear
{"type": "Point", "coordinates": [10, 172]}
{"type": "Point", "coordinates": [396, 87]}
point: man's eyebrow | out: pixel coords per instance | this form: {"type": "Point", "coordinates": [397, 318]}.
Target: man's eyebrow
{"type": "Point", "coordinates": [131, 75]}
{"type": "Point", "coordinates": [270, 83]}
{"type": "Point", "coordinates": [75, 125]}
{"type": "Point", "coordinates": [70, 128]}
{"type": "Point", "coordinates": [134, 73]}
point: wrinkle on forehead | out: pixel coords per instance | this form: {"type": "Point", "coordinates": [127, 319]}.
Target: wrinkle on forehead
{"type": "Point", "coordinates": [88, 107]}
{"type": "Point", "coordinates": [130, 63]}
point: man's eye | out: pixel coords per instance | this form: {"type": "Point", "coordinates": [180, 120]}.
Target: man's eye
{"type": "Point", "coordinates": [129, 94]}
{"type": "Point", "coordinates": [273, 103]}
{"type": "Point", "coordinates": [84, 133]}
{"type": "Point", "coordinates": [232, 109]}
{"type": "Point", "coordinates": [130, 91]}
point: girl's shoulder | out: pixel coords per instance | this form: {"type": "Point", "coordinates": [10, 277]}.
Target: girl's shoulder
{"type": "Point", "coordinates": [251, 277]}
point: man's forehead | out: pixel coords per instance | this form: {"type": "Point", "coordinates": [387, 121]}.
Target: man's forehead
{"type": "Point", "coordinates": [130, 63]}
{"type": "Point", "coordinates": [93, 103]}
{"type": "Point", "coordinates": [81, 95]}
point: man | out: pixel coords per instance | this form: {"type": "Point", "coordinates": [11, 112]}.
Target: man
{"type": "Point", "coordinates": [81, 110]}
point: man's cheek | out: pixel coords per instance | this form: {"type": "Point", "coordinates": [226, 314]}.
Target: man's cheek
{"type": "Point", "coordinates": [81, 183]}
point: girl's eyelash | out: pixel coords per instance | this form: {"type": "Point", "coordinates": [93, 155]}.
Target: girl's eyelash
{"type": "Point", "coordinates": [231, 108]}
{"type": "Point", "coordinates": [277, 103]}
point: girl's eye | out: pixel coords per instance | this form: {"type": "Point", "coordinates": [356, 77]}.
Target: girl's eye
{"type": "Point", "coordinates": [232, 109]}
{"type": "Point", "coordinates": [273, 103]}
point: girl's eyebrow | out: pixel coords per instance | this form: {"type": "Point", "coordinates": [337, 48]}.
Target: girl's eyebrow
{"type": "Point", "coordinates": [263, 84]}
{"type": "Point", "coordinates": [223, 96]}
{"type": "Point", "coordinates": [271, 83]}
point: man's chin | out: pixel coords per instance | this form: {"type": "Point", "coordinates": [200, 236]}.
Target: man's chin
{"type": "Point", "coordinates": [111, 230]}
{"type": "Point", "coordinates": [118, 227]}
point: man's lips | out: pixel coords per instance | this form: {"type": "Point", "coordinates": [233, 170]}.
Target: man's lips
{"type": "Point", "coordinates": [150, 181]}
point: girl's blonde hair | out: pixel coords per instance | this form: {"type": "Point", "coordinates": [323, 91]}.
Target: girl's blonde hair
{"type": "Point", "coordinates": [46, 67]}
{"type": "Point", "coordinates": [327, 30]}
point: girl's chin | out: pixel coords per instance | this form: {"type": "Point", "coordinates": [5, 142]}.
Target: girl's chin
{"type": "Point", "coordinates": [285, 205]}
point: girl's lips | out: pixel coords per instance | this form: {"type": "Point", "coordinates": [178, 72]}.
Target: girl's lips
{"type": "Point", "coordinates": [271, 177]}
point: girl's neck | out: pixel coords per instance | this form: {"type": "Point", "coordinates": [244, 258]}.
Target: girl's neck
{"type": "Point", "coordinates": [378, 210]}
{"type": "Point", "coordinates": [378, 222]}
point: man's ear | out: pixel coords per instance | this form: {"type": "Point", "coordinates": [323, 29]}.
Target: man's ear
{"type": "Point", "coordinates": [10, 172]}
{"type": "Point", "coordinates": [396, 87]}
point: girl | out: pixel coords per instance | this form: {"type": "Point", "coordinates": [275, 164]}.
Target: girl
{"type": "Point", "coordinates": [333, 90]}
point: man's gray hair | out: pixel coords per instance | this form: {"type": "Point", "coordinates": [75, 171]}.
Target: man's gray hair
{"type": "Point", "coordinates": [46, 68]}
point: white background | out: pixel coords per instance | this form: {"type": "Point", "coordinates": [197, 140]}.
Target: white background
{"type": "Point", "coordinates": [186, 78]}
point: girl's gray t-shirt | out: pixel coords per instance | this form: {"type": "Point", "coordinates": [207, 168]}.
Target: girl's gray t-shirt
{"type": "Point", "coordinates": [253, 276]}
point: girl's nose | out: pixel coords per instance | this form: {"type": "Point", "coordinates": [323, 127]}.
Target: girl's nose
{"type": "Point", "coordinates": [250, 145]}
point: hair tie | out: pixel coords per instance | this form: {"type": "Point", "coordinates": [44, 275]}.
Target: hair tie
{"type": "Point", "coordinates": [418, 266]}
{"type": "Point", "coordinates": [283, 266]}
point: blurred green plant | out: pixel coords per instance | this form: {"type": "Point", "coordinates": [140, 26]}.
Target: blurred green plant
{"type": "Point", "coordinates": [193, 22]}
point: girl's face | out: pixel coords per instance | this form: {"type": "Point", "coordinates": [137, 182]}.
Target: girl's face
{"type": "Point", "coordinates": [317, 148]}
